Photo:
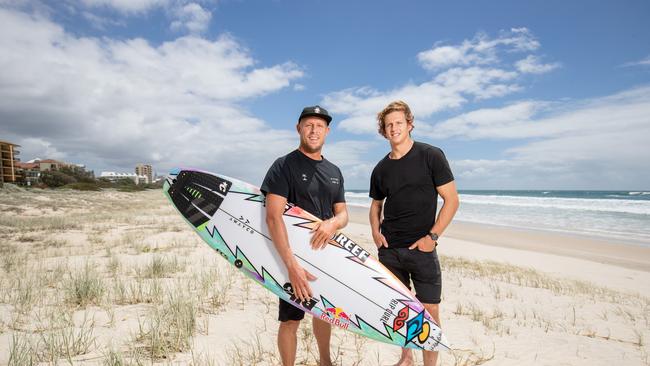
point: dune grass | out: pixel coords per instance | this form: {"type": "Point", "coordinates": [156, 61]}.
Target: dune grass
{"type": "Point", "coordinates": [84, 287]}
{"type": "Point", "coordinates": [168, 328]}
{"type": "Point", "coordinates": [119, 279]}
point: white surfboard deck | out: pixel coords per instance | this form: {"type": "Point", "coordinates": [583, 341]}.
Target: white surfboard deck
{"type": "Point", "coordinates": [352, 291]}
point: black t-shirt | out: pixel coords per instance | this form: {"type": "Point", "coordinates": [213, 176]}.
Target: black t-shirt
{"type": "Point", "coordinates": [313, 185]}
{"type": "Point", "coordinates": [409, 186]}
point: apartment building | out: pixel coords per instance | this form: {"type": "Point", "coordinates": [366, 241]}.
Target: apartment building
{"type": "Point", "coordinates": [30, 173]}
{"type": "Point", "coordinates": [146, 170]}
{"type": "Point", "coordinates": [114, 177]}
{"type": "Point", "coordinates": [8, 159]}
{"type": "Point", "coordinates": [51, 164]}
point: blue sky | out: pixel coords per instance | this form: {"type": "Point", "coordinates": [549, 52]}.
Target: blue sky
{"type": "Point", "coordinates": [519, 95]}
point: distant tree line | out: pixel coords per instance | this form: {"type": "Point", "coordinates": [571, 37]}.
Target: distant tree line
{"type": "Point", "coordinates": [80, 179]}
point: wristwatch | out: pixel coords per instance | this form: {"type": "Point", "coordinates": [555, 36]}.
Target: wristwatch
{"type": "Point", "coordinates": [434, 237]}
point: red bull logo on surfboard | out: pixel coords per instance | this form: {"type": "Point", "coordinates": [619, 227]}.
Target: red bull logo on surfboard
{"type": "Point", "coordinates": [336, 316]}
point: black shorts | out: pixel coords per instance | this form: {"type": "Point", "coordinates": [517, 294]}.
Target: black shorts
{"type": "Point", "coordinates": [423, 268]}
{"type": "Point", "coordinates": [287, 312]}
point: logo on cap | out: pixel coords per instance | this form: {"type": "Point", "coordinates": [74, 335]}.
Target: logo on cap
{"type": "Point", "coordinates": [317, 111]}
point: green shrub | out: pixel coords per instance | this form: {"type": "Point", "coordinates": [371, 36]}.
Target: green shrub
{"type": "Point", "coordinates": [54, 178]}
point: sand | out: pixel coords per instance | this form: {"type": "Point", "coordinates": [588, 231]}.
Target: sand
{"type": "Point", "coordinates": [111, 278]}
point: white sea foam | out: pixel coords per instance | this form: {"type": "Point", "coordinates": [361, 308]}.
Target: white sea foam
{"type": "Point", "coordinates": [614, 217]}
{"type": "Point", "coordinates": [575, 204]}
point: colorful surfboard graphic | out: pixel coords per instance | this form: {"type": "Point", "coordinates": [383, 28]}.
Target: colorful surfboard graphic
{"type": "Point", "coordinates": [353, 291]}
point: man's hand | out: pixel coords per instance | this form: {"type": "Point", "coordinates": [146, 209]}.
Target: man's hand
{"type": "Point", "coordinates": [424, 244]}
{"type": "Point", "coordinates": [322, 233]}
{"type": "Point", "coordinates": [299, 278]}
{"type": "Point", "coordinates": [379, 239]}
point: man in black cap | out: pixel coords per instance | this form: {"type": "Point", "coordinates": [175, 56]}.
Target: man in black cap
{"type": "Point", "coordinates": [305, 178]}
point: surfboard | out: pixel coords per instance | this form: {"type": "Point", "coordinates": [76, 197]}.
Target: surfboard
{"type": "Point", "coordinates": [353, 291]}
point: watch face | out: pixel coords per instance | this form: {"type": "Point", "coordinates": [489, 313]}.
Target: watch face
{"type": "Point", "coordinates": [433, 236]}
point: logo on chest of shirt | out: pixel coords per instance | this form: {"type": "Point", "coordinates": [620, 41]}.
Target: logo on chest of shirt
{"type": "Point", "coordinates": [304, 177]}
{"type": "Point", "coordinates": [334, 180]}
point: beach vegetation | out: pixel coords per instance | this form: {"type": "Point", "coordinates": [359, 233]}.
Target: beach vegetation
{"type": "Point", "coordinates": [53, 243]}
{"type": "Point", "coordinates": [526, 277]}
{"type": "Point", "coordinates": [473, 357]}
{"type": "Point", "coordinates": [250, 351]}
{"type": "Point", "coordinates": [123, 250]}
{"type": "Point", "coordinates": [113, 358]}
{"type": "Point", "coordinates": [168, 328]}
{"type": "Point", "coordinates": [13, 260]}
{"type": "Point", "coordinates": [30, 224]}
{"type": "Point", "coordinates": [21, 351]}
{"type": "Point", "coordinates": [65, 340]}
{"type": "Point", "coordinates": [136, 291]}
{"type": "Point", "coordinates": [639, 339]}
{"type": "Point", "coordinates": [55, 178]}
{"type": "Point", "coordinates": [213, 286]}
{"type": "Point", "coordinates": [84, 287]}
{"type": "Point", "coordinates": [203, 360]}
{"type": "Point", "coordinates": [113, 265]}
{"type": "Point", "coordinates": [82, 186]}
{"type": "Point", "coordinates": [129, 357]}
{"type": "Point", "coordinates": [159, 267]}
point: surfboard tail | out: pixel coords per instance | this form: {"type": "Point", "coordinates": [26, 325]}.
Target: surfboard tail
{"type": "Point", "coordinates": [197, 195]}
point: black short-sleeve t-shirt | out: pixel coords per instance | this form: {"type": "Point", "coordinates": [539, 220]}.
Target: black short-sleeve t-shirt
{"type": "Point", "coordinates": [313, 185]}
{"type": "Point", "coordinates": [409, 186]}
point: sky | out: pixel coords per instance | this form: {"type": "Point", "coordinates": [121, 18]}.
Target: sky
{"type": "Point", "coordinates": [519, 95]}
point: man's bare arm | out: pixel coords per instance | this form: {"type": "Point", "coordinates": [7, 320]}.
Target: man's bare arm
{"type": "Point", "coordinates": [376, 207]}
{"type": "Point", "coordinates": [298, 276]}
{"type": "Point", "coordinates": [450, 204]}
{"type": "Point", "coordinates": [449, 207]}
{"type": "Point", "coordinates": [326, 229]}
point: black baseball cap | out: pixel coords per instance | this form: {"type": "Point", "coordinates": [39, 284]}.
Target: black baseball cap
{"type": "Point", "coordinates": [317, 111]}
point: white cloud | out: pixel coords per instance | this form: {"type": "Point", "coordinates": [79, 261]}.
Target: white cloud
{"type": "Point", "coordinates": [643, 62]}
{"type": "Point", "coordinates": [626, 111]}
{"type": "Point", "coordinates": [448, 90]}
{"type": "Point", "coordinates": [350, 157]}
{"type": "Point", "coordinates": [482, 83]}
{"type": "Point", "coordinates": [478, 51]}
{"type": "Point", "coordinates": [593, 144]}
{"type": "Point", "coordinates": [185, 15]}
{"type": "Point", "coordinates": [446, 56]}
{"type": "Point", "coordinates": [127, 6]}
{"type": "Point", "coordinates": [470, 71]}
{"type": "Point", "coordinates": [532, 65]}
{"type": "Point", "coordinates": [191, 17]}
{"type": "Point", "coordinates": [505, 122]}
{"type": "Point", "coordinates": [362, 104]}
{"type": "Point", "coordinates": [113, 103]}
{"type": "Point", "coordinates": [101, 23]}
{"type": "Point", "coordinates": [40, 147]}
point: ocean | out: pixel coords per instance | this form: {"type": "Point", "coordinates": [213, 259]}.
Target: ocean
{"type": "Point", "coordinates": [606, 214]}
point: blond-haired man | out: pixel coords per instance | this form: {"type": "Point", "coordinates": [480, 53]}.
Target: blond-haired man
{"type": "Point", "coordinates": [404, 187]}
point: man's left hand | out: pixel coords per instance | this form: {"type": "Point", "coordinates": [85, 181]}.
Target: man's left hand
{"type": "Point", "coordinates": [424, 244]}
{"type": "Point", "coordinates": [322, 233]}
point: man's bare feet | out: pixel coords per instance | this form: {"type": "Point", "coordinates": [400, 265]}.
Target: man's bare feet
{"type": "Point", "coordinates": [406, 359]}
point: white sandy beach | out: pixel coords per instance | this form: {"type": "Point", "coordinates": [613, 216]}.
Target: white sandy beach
{"type": "Point", "coordinates": [110, 278]}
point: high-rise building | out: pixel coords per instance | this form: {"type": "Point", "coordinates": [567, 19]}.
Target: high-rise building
{"type": "Point", "coordinates": [8, 160]}
{"type": "Point", "coordinates": [146, 170]}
